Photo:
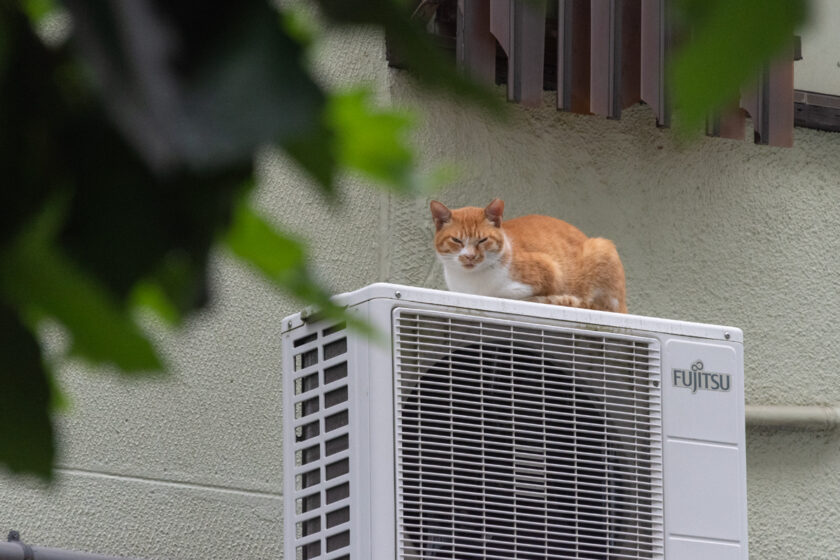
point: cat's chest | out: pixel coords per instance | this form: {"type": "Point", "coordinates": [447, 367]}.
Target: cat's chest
{"type": "Point", "coordinates": [493, 281]}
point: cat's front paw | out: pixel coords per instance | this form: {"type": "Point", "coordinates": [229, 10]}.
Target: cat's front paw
{"type": "Point", "coordinates": [565, 299]}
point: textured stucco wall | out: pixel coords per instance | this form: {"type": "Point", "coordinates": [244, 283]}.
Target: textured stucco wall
{"type": "Point", "coordinates": [721, 231]}
{"type": "Point", "coordinates": [819, 69]}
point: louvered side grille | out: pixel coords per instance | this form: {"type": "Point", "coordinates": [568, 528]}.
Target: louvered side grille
{"type": "Point", "coordinates": [321, 415]}
{"type": "Point", "coordinates": [518, 440]}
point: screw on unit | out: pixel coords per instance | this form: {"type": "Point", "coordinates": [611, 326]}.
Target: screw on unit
{"type": "Point", "coordinates": [726, 335]}
{"type": "Point", "coordinates": [397, 294]}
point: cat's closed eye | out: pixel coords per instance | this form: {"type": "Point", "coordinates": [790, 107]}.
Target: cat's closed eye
{"type": "Point", "coordinates": [456, 240]}
{"type": "Point", "coordinates": [482, 240]}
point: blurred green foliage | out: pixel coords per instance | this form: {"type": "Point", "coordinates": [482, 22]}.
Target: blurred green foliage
{"type": "Point", "coordinates": [724, 45]}
{"type": "Point", "coordinates": [127, 155]}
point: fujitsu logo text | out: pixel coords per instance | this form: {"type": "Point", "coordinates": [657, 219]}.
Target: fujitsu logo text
{"type": "Point", "coordinates": [695, 378]}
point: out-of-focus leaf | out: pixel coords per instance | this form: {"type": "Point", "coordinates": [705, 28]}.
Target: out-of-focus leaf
{"type": "Point", "coordinates": [253, 239]}
{"type": "Point", "coordinates": [37, 10]}
{"type": "Point", "coordinates": [26, 432]}
{"type": "Point", "coordinates": [151, 296]}
{"type": "Point", "coordinates": [157, 227]}
{"type": "Point", "coordinates": [197, 84]}
{"type": "Point", "coordinates": [315, 152]}
{"type": "Point", "coordinates": [428, 64]}
{"type": "Point", "coordinates": [282, 260]}
{"type": "Point", "coordinates": [30, 112]}
{"type": "Point", "coordinates": [35, 277]}
{"type": "Point", "coordinates": [728, 41]}
{"type": "Point", "coordinates": [299, 24]}
{"type": "Point", "coordinates": [373, 141]}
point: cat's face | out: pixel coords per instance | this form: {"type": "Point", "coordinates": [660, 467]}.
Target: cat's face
{"type": "Point", "coordinates": [468, 238]}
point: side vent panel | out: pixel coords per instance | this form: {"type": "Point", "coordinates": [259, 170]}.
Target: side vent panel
{"type": "Point", "coordinates": [520, 440]}
{"type": "Point", "coordinates": [322, 412]}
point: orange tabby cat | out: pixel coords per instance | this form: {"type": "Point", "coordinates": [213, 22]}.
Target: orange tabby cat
{"type": "Point", "coordinates": [536, 258]}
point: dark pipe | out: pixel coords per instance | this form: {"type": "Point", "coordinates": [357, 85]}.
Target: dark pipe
{"type": "Point", "coordinates": [15, 549]}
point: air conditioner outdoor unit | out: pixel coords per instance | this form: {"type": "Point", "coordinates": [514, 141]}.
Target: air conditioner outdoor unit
{"type": "Point", "coordinates": [478, 427]}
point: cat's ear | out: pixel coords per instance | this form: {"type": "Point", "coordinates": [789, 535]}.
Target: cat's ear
{"type": "Point", "coordinates": [440, 213]}
{"type": "Point", "coordinates": [494, 211]}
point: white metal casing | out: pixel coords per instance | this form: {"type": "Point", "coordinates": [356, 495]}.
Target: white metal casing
{"type": "Point", "coordinates": [352, 439]}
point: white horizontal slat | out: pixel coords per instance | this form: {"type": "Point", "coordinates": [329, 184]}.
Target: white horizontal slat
{"type": "Point", "coordinates": [579, 392]}
{"type": "Point", "coordinates": [584, 464]}
{"type": "Point", "coordinates": [487, 510]}
{"type": "Point", "coordinates": [581, 482]}
{"type": "Point", "coordinates": [487, 531]}
{"type": "Point", "coordinates": [616, 410]}
{"type": "Point", "coordinates": [420, 356]}
{"type": "Point", "coordinates": [526, 433]}
{"type": "Point", "coordinates": [554, 345]}
{"type": "Point", "coordinates": [485, 549]}
{"type": "Point", "coordinates": [521, 431]}
{"type": "Point", "coordinates": [464, 434]}
{"type": "Point", "coordinates": [555, 364]}
{"type": "Point", "coordinates": [470, 326]}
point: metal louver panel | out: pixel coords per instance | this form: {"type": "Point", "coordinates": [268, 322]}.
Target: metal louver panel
{"type": "Point", "coordinates": [476, 47]}
{"type": "Point", "coordinates": [320, 412]}
{"type": "Point", "coordinates": [519, 440]}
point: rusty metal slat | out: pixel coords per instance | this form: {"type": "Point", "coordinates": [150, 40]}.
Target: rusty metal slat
{"type": "Point", "coordinates": [652, 55]}
{"type": "Point", "coordinates": [780, 107]}
{"type": "Point", "coordinates": [476, 47]}
{"type": "Point", "coordinates": [631, 59]}
{"type": "Point", "coordinates": [573, 46]}
{"type": "Point", "coordinates": [500, 27]}
{"type": "Point", "coordinates": [500, 23]}
{"type": "Point", "coordinates": [729, 123]}
{"type": "Point", "coordinates": [527, 51]}
{"type": "Point", "coordinates": [565, 63]}
{"type": "Point", "coordinates": [605, 58]}
{"type": "Point", "coordinates": [770, 103]}
{"type": "Point", "coordinates": [654, 49]}
{"type": "Point", "coordinates": [733, 124]}
{"type": "Point", "coordinates": [762, 118]}
{"type": "Point", "coordinates": [749, 103]}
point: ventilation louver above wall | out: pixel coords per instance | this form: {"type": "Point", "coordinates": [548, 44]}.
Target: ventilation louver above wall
{"type": "Point", "coordinates": [602, 56]}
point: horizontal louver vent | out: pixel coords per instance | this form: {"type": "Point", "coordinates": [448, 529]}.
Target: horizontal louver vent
{"type": "Point", "coordinates": [321, 417]}
{"type": "Point", "coordinates": [525, 441]}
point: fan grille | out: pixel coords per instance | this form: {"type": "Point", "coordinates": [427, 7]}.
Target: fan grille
{"type": "Point", "coordinates": [519, 440]}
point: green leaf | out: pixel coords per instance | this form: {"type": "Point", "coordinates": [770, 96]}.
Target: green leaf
{"type": "Point", "coordinates": [26, 431]}
{"type": "Point", "coordinates": [37, 10]}
{"type": "Point", "coordinates": [315, 151]}
{"type": "Point", "coordinates": [36, 278]}
{"type": "Point", "coordinates": [373, 141]}
{"type": "Point", "coordinates": [253, 239]}
{"type": "Point", "coordinates": [282, 261]}
{"type": "Point", "coordinates": [729, 42]}
{"type": "Point", "coordinates": [151, 295]}
{"type": "Point", "coordinates": [198, 89]}
{"type": "Point", "coordinates": [299, 24]}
